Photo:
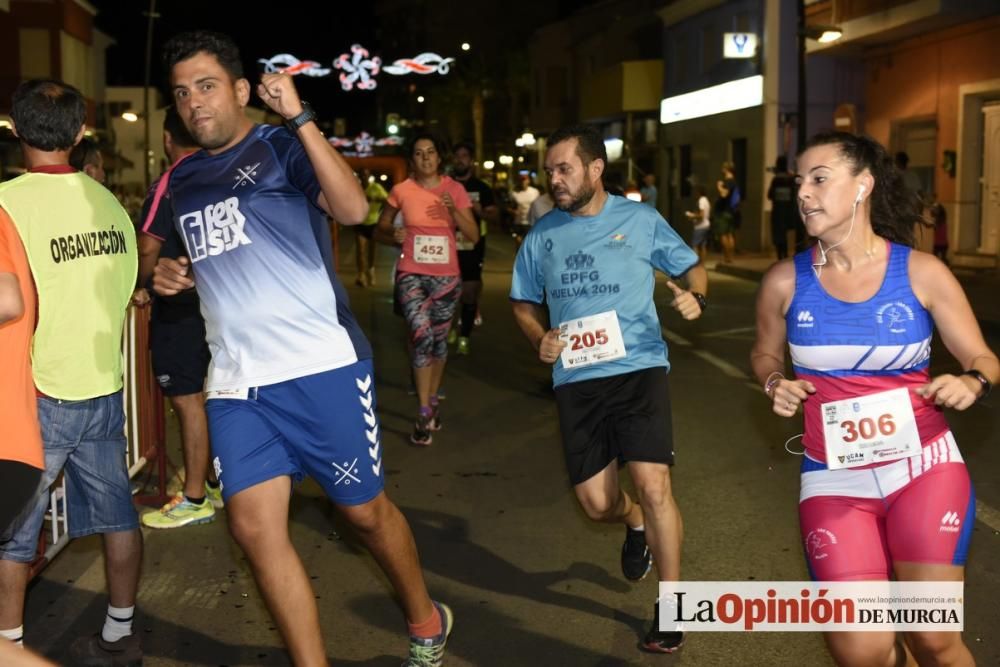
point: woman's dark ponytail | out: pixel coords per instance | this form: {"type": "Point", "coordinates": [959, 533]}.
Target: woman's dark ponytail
{"type": "Point", "coordinates": [895, 209]}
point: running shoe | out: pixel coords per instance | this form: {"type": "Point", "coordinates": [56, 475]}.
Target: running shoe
{"type": "Point", "coordinates": [422, 430]}
{"type": "Point", "coordinates": [429, 652]}
{"type": "Point", "coordinates": [463, 346]}
{"type": "Point", "coordinates": [180, 512]}
{"type": "Point", "coordinates": [636, 557]}
{"type": "Point", "coordinates": [435, 422]}
{"type": "Point", "coordinates": [478, 322]}
{"type": "Point", "coordinates": [660, 641]}
{"type": "Point", "coordinates": [93, 651]}
{"type": "Point", "coordinates": [452, 335]}
{"type": "Point", "coordinates": [214, 495]}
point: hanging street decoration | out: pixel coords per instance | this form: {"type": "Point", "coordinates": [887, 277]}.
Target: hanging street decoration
{"type": "Point", "coordinates": [289, 64]}
{"type": "Point", "coordinates": [363, 145]}
{"type": "Point", "coordinates": [358, 69]}
{"type": "Point", "coordinates": [425, 63]}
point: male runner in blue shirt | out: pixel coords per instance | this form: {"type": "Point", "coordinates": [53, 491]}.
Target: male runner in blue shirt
{"type": "Point", "coordinates": [583, 295]}
{"type": "Point", "coordinates": [289, 389]}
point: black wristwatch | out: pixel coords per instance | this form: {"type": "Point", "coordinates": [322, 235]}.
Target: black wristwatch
{"type": "Point", "coordinates": [307, 116]}
{"type": "Point", "coordinates": [700, 298]}
{"type": "Point", "coordinates": [987, 386]}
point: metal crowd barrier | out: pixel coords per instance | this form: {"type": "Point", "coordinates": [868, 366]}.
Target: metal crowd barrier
{"type": "Point", "coordinates": [144, 430]}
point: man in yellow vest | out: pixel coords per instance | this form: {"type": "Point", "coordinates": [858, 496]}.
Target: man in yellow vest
{"type": "Point", "coordinates": [81, 250]}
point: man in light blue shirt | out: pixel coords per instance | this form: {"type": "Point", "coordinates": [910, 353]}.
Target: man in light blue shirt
{"type": "Point", "coordinates": [582, 293]}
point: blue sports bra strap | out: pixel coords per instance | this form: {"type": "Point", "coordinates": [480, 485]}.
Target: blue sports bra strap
{"type": "Point", "coordinates": [899, 261]}
{"type": "Point", "coordinates": [803, 268]}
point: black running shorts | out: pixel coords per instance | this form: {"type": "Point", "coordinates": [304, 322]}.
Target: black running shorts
{"type": "Point", "coordinates": [624, 417]}
{"type": "Point", "coordinates": [180, 354]}
{"type": "Point", "coordinates": [470, 262]}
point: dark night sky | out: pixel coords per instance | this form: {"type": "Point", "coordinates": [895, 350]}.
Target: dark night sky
{"type": "Point", "coordinates": [318, 30]}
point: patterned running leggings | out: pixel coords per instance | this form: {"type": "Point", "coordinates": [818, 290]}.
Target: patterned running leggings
{"type": "Point", "coordinates": [428, 305]}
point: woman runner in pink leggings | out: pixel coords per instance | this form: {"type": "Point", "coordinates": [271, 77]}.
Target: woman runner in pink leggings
{"type": "Point", "coordinates": [428, 281]}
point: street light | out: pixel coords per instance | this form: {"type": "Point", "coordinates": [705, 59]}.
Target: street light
{"type": "Point", "coordinates": [130, 116]}
{"type": "Point", "coordinates": [488, 164]}
{"type": "Point", "coordinates": [527, 139]}
{"type": "Point", "coordinates": [829, 35]}
{"type": "Point", "coordinates": [506, 160]}
{"type": "Point", "coordinates": [420, 99]}
{"type": "Point", "coordinates": [466, 46]}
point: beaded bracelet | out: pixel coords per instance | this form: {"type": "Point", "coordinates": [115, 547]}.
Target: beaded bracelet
{"type": "Point", "coordinates": [770, 384]}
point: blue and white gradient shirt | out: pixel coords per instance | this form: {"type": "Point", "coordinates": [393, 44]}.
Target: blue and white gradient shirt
{"type": "Point", "coordinates": [584, 265]}
{"type": "Point", "coordinates": [261, 252]}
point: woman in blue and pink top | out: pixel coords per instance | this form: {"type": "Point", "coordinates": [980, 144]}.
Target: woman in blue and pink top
{"type": "Point", "coordinates": [884, 489]}
{"type": "Point", "coordinates": [428, 280]}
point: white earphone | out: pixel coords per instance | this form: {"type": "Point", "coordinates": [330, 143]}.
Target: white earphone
{"type": "Point", "coordinates": [818, 265]}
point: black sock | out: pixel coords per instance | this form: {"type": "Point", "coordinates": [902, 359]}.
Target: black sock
{"type": "Point", "coordinates": [194, 501]}
{"type": "Point", "coordinates": [468, 319]}
{"type": "Point", "coordinates": [212, 484]}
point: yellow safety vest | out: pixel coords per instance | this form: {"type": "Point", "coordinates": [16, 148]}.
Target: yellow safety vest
{"type": "Point", "coordinates": [81, 247]}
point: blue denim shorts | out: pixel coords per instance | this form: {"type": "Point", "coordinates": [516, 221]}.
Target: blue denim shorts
{"type": "Point", "coordinates": [87, 440]}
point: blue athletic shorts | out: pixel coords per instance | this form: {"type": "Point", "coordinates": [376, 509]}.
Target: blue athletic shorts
{"type": "Point", "coordinates": [321, 425]}
{"type": "Point", "coordinates": [86, 439]}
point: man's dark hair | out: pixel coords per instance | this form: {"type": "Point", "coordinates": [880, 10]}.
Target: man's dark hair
{"type": "Point", "coordinates": [590, 143]}
{"type": "Point", "coordinates": [902, 159]}
{"type": "Point", "coordinates": [84, 153]}
{"type": "Point", "coordinates": [188, 44]}
{"type": "Point", "coordinates": [464, 145]}
{"type": "Point", "coordinates": [48, 114]}
{"type": "Point", "coordinates": [179, 134]}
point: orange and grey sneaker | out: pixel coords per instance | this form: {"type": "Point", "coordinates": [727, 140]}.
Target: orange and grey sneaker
{"type": "Point", "coordinates": [429, 651]}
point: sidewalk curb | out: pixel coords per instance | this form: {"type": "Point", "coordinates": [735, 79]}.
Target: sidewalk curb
{"type": "Point", "coordinates": [989, 327]}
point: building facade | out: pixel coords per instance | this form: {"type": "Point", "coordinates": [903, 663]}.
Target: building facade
{"type": "Point", "coordinates": [932, 89]}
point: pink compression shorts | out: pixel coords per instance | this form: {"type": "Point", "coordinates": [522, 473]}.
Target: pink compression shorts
{"type": "Point", "coordinates": [856, 522]}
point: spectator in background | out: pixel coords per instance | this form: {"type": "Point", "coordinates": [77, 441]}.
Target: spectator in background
{"type": "Point", "coordinates": [725, 222]}
{"type": "Point", "coordinates": [524, 194]}
{"type": "Point", "coordinates": [702, 221]}
{"type": "Point", "coordinates": [648, 190]}
{"type": "Point", "coordinates": [784, 208]}
{"type": "Point", "coordinates": [86, 157]}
